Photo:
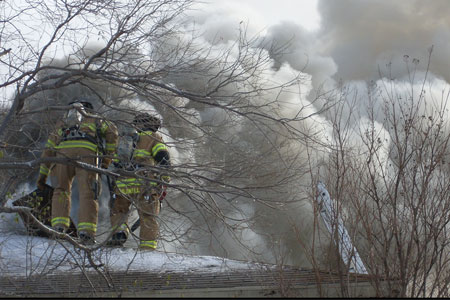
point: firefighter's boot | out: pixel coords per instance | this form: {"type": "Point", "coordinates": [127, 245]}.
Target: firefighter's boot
{"type": "Point", "coordinates": [59, 229]}
{"type": "Point", "coordinates": [86, 238]}
{"type": "Point", "coordinates": [117, 239]}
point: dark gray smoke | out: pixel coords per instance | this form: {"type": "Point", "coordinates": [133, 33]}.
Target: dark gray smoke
{"type": "Point", "coordinates": [356, 39]}
{"type": "Point", "coordinates": [359, 45]}
{"type": "Point", "coordinates": [361, 36]}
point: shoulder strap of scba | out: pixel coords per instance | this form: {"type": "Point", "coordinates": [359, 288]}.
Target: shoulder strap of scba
{"type": "Point", "coordinates": [74, 133]}
{"type": "Point", "coordinates": [134, 141]}
{"type": "Point", "coordinates": [98, 136]}
{"type": "Point", "coordinates": [135, 138]}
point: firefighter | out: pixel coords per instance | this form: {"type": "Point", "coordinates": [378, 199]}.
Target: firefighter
{"type": "Point", "coordinates": [149, 155]}
{"type": "Point", "coordinates": [78, 136]}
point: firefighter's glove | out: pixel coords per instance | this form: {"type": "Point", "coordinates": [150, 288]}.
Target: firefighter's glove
{"type": "Point", "coordinates": [162, 195]}
{"type": "Point", "coordinates": [105, 163]}
{"type": "Point", "coordinates": [165, 178]}
{"type": "Point", "coordinates": [40, 183]}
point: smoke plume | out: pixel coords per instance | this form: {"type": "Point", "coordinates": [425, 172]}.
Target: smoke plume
{"type": "Point", "coordinates": [359, 48]}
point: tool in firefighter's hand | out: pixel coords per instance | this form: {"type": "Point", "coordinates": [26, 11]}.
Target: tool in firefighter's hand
{"type": "Point", "coordinates": [95, 188]}
{"type": "Point", "coordinates": [40, 183]}
{"type": "Point", "coordinates": [40, 200]}
{"type": "Point", "coordinates": [112, 194]}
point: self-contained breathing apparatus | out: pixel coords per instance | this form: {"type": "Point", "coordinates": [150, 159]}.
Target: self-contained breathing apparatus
{"type": "Point", "coordinates": [129, 138]}
{"type": "Point", "coordinates": [74, 133]}
{"type": "Point", "coordinates": [125, 149]}
{"type": "Point", "coordinates": [73, 120]}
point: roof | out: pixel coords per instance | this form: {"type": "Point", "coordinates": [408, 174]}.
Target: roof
{"type": "Point", "coordinates": [287, 281]}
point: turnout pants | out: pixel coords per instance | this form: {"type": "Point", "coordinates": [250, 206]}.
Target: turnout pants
{"type": "Point", "coordinates": [62, 177]}
{"type": "Point", "coordinates": [130, 191]}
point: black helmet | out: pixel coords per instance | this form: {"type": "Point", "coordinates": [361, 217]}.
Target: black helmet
{"type": "Point", "coordinates": [146, 121]}
{"type": "Point", "coordinates": [83, 102]}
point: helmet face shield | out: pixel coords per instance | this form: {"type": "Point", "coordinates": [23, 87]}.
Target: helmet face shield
{"type": "Point", "coordinates": [75, 114]}
{"type": "Point", "coordinates": [73, 117]}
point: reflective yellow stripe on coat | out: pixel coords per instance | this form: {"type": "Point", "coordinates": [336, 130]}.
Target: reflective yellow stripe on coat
{"type": "Point", "coordinates": [43, 170]}
{"type": "Point", "coordinates": [129, 185]}
{"type": "Point", "coordinates": [158, 147]}
{"type": "Point", "coordinates": [77, 144]}
{"type": "Point", "coordinates": [50, 144]}
{"type": "Point", "coordinates": [132, 185]}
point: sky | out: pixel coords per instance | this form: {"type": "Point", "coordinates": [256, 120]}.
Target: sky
{"type": "Point", "coordinates": [270, 12]}
{"type": "Point", "coordinates": [355, 42]}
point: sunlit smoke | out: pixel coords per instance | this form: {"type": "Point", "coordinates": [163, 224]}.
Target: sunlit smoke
{"type": "Point", "coordinates": [361, 46]}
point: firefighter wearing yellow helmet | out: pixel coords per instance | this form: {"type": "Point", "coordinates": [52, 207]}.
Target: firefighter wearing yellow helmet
{"type": "Point", "coordinates": [79, 136]}
{"type": "Point", "coordinates": [149, 157]}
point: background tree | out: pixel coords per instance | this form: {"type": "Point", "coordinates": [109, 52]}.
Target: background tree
{"type": "Point", "coordinates": [388, 173]}
{"type": "Point", "coordinates": [237, 128]}
{"type": "Point", "coordinates": [248, 140]}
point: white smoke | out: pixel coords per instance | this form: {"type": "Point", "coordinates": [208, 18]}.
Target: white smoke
{"type": "Point", "coordinates": [361, 45]}
{"type": "Point", "coordinates": [357, 39]}
{"type": "Point", "coordinates": [276, 224]}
